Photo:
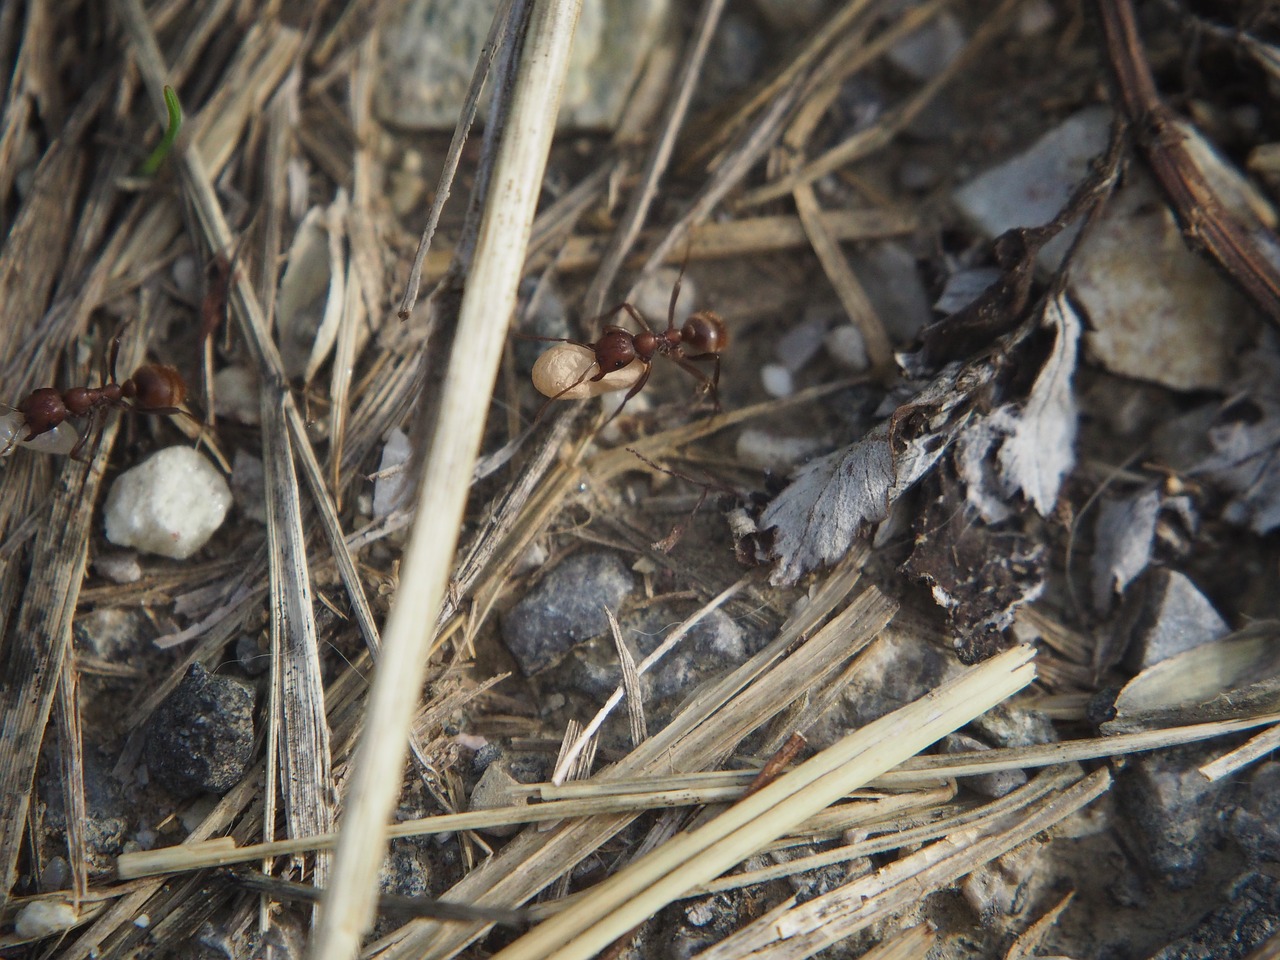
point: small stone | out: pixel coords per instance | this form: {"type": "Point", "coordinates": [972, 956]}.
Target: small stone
{"type": "Point", "coordinates": [1034, 17]}
{"type": "Point", "coordinates": [1255, 823]}
{"type": "Point", "coordinates": [1166, 616]}
{"type": "Point", "coordinates": [544, 317]}
{"type": "Point", "coordinates": [201, 736]}
{"type": "Point", "coordinates": [714, 644]}
{"type": "Point", "coordinates": [186, 276]}
{"type": "Point", "coordinates": [769, 451]}
{"type": "Point", "coordinates": [429, 48]}
{"type": "Point", "coordinates": [235, 395]}
{"type": "Point", "coordinates": [891, 277]}
{"type": "Point", "coordinates": [110, 632]}
{"type": "Point", "coordinates": [118, 567]}
{"type": "Point", "coordinates": [795, 348]}
{"type": "Point", "coordinates": [56, 875]}
{"type": "Point", "coordinates": [777, 380]}
{"type": "Point", "coordinates": [1157, 311]}
{"type": "Point", "coordinates": [565, 609]}
{"type": "Point", "coordinates": [999, 890]}
{"type": "Point", "coordinates": [993, 785]}
{"type": "Point", "coordinates": [248, 486]}
{"type": "Point", "coordinates": [44, 918]}
{"type": "Point", "coordinates": [389, 491]}
{"type": "Point", "coordinates": [1028, 190]}
{"type": "Point", "coordinates": [846, 345]}
{"type": "Point", "coordinates": [497, 788]}
{"type": "Point", "coordinates": [1175, 810]}
{"type": "Point", "coordinates": [170, 504]}
{"type": "Point", "coordinates": [926, 52]}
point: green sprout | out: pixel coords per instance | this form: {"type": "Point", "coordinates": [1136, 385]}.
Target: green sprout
{"type": "Point", "coordinates": [164, 147]}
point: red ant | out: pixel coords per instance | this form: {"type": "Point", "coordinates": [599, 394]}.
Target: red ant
{"type": "Point", "coordinates": [702, 337]}
{"type": "Point", "coordinates": [154, 388]}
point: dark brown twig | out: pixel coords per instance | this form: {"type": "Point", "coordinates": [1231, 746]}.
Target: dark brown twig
{"type": "Point", "coordinates": [1162, 136]}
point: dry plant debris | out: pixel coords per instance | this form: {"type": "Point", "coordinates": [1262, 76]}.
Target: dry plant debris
{"type": "Point", "coordinates": [389, 684]}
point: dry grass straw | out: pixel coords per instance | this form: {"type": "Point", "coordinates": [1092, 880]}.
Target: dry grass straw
{"type": "Point", "coordinates": [428, 557]}
{"type": "Point", "coordinates": [804, 929]}
{"type": "Point", "coordinates": [640, 890]}
{"type": "Point", "coordinates": [298, 729]}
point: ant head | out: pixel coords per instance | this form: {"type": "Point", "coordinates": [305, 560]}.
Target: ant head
{"type": "Point", "coordinates": [615, 350]}
{"type": "Point", "coordinates": [43, 410]}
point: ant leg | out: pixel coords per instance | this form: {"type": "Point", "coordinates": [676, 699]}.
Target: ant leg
{"type": "Point", "coordinates": [576, 343]}
{"type": "Point", "coordinates": [611, 312]}
{"type": "Point", "coordinates": [90, 422]}
{"type": "Point", "coordinates": [635, 388]}
{"type": "Point", "coordinates": [634, 314]}
{"type": "Point", "coordinates": [675, 291]}
{"type": "Point", "coordinates": [113, 355]}
{"type": "Point", "coordinates": [710, 383]}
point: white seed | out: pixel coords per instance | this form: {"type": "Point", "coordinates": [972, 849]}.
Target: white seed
{"type": "Point", "coordinates": [13, 427]}
{"type": "Point", "coordinates": [565, 372]}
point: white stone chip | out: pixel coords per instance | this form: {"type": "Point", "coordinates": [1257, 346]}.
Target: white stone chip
{"type": "Point", "coordinates": [169, 505]}
{"type": "Point", "coordinates": [44, 918]}
{"type": "Point", "coordinates": [777, 380]}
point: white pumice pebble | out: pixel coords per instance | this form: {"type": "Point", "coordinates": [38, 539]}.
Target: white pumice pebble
{"type": "Point", "coordinates": [235, 395]}
{"type": "Point", "coordinates": [168, 505]}
{"type": "Point", "coordinates": [777, 380]}
{"type": "Point", "coordinates": [797, 346]}
{"type": "Point", "coordinates": [847, 347]}
{"type": "Point", "coordinates": [185, 273]}
{"type": "Point", "coordinates": [44, 918]}
{"type": "Point", "coordinates": [568, 363]}
{"type": "Point", "coordinates": [118, 567]}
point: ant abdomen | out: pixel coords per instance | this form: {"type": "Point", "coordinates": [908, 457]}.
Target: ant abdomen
{"type": "Point", "coordinates": [155, 386]}
{"type": "Point", "coordinates": [704, 332]}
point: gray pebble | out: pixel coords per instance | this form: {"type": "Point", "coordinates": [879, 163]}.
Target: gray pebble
{"type": "Point", "coordinates": [993, 785]}
{"type": "Point", "coordinates": [1255, 824]}
{"type": "Point", "coordinates": [1175, 810]}
{"type": "Point", "coordinates": [1167, 616]}
{"type": "Point", "coordinates": [565, 609]}
{"type": "Point", "coordinates": [201, 736]}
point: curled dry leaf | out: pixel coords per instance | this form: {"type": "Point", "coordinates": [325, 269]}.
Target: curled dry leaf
{"type": "Point", "coordinates": [1034, 441]}
{"type": "Point", "coordinates": [1126, 536]}
{"type": "Point", "coordinates": [565, 373]}
{"type": "Point", "coordinates": [1245, 438]}
{"type": "Point", "coordinates": [839, 497]}
{"type": "Point", "coordinates": [310, 302]}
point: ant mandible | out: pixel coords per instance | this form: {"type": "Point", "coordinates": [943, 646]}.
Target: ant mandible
{"type": "Point", "coordinates": [702, 337]}
{"type": "Point", "coordinates": [154, 388]}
